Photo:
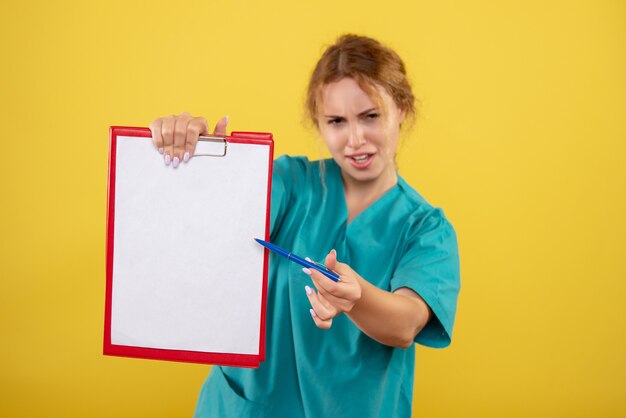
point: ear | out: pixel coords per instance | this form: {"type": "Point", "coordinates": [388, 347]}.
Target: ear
{"type": "Point", "coordinates": [402, 116]}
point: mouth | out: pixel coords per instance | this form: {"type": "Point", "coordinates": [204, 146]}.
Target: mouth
{"type": "Point", "coordinates": [360, 160]}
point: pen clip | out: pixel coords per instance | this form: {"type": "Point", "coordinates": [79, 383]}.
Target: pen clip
{"type": "Point", "coordinates": [320, 265]}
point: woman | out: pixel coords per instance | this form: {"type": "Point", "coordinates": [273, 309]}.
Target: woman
{"type": "Point", "coordinates": [342, 349]}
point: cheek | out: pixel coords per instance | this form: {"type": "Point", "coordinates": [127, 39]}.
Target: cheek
{"type": "Point", "coordinates": [332, 139]}
{"type": "Point", "coordinates": [388, 141]}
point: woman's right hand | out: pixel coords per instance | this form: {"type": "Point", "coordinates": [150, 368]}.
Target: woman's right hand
{"type": "Point", "coordinates": [175, 136]}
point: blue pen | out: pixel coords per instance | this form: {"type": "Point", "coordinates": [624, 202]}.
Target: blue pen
{"type": "Point", "coordinates": [290, 256]}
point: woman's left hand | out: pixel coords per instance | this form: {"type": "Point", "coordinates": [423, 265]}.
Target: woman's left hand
{"type": "Point", "coordinates": [332, 298]}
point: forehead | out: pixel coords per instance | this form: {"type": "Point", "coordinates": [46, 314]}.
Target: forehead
{"type": "Point", "coordinates": [345, 95]}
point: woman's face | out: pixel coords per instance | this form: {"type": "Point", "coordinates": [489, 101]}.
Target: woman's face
{"type": "Point", "coordinates": [360, 140]}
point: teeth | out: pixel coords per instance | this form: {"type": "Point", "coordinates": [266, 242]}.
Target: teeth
{"type": "Point", "coordinates": [361, 158]}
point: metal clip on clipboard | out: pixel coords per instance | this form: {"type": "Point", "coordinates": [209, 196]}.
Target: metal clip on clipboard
{"type": "Point", "coordinates": [260, 138]}
{"type": "Point", "coordinates": [214, 139]}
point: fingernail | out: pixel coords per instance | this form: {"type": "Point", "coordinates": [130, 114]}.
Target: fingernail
{"type": "Point", "coordinates": [307, 259]}
{"type": "Point", "coordinates": [175, 162]}
{"type": "Point", "coordinates": [160, 150]}
{"type": "Point", "coordinates": [167, 159]}
{"type": "Point", "coordinates": [306, 271]}
{"type": "Point", "coordinates": [226, 119]}
{"type": "Point", "coordinates": [334, 252]}
{"type": "Point", "coordinates": [307, 289]}
{"type": "Point", "coordinates": [186, 157]}
{"type": "Point", "coordinates": [313, 314]}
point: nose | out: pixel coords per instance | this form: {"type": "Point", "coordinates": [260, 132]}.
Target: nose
{"type": "Point", "coordinates": [356, 137]}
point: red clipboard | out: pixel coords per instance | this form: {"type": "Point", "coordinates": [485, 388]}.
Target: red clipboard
{"type": "Point", "coordinates": [191, 311]}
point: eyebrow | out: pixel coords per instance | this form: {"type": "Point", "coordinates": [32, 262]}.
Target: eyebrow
{"type": "Point", "coordinates": [363, 113]}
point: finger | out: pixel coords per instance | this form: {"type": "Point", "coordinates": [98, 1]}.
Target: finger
{"type": "Point", "coordinates": [321, 283]}
{"type": "Point", "coordinates": [324, 285]}
{"type": "Point", "coordinates": [331, 259]}
{"type": "Point", "coordinates": [323, 324]}
{"type": "Point", "coordinates": [322, 311]}
{"type": "Point", "coordinates": [340, 268]}
{"type": "Point", "coordinates": [157, 138]}
{"type": "Point", "coordinates": [180, 135]}
{"type": "Point", "coordinates": [334, 310]}
{"type": "Point", "coordinates": [167, 133]}
{"type": "Point", "coordinates": [333, 294]}
{"type": "Point", "coordinates": [311, 261]}
{"type": "Point", "coordinates": [220, 126]}
{"type": "Point", "coordinates": [195, 128]}
{"type": "Point", "coordinates": [331, 263]}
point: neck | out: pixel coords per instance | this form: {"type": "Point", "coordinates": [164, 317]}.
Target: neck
{"type": "Point", "coordinates": [360, 195]}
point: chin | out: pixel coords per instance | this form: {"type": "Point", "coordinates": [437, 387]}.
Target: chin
{"type": "Point", "coordinates": [365, 176]}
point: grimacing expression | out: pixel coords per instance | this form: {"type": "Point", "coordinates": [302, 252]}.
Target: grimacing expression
{"type": "Point", "coordinates": [359, 138]}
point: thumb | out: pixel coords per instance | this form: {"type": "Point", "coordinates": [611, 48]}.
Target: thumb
{"type": "Point", "coordinates": [220, 126]}
{"type": "Point", "coordinates": [331, 260]}
{"type": "Point", "coordinates": [334, 265]}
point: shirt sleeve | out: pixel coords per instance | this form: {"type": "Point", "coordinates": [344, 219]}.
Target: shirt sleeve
{"type": "Point", "coordinates": [430, 267]}
{"type": "Point", "coordinates": [287, 175]}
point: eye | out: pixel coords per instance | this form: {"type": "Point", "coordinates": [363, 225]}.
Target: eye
{"type": "Point", "coordinates": [335, 121]}
{"type": "Point", "coordinates": [372, 116]}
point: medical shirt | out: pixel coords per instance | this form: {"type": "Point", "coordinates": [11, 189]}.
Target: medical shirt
{"type": "Point", "coordinates": [398, 241]}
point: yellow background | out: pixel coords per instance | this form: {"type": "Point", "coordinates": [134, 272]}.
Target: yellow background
{"type": "Point", "coordinates": [521, 139]}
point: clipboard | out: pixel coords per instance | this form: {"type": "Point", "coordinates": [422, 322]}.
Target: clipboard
{"type": "Point", "coordinates": [185, 280]}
